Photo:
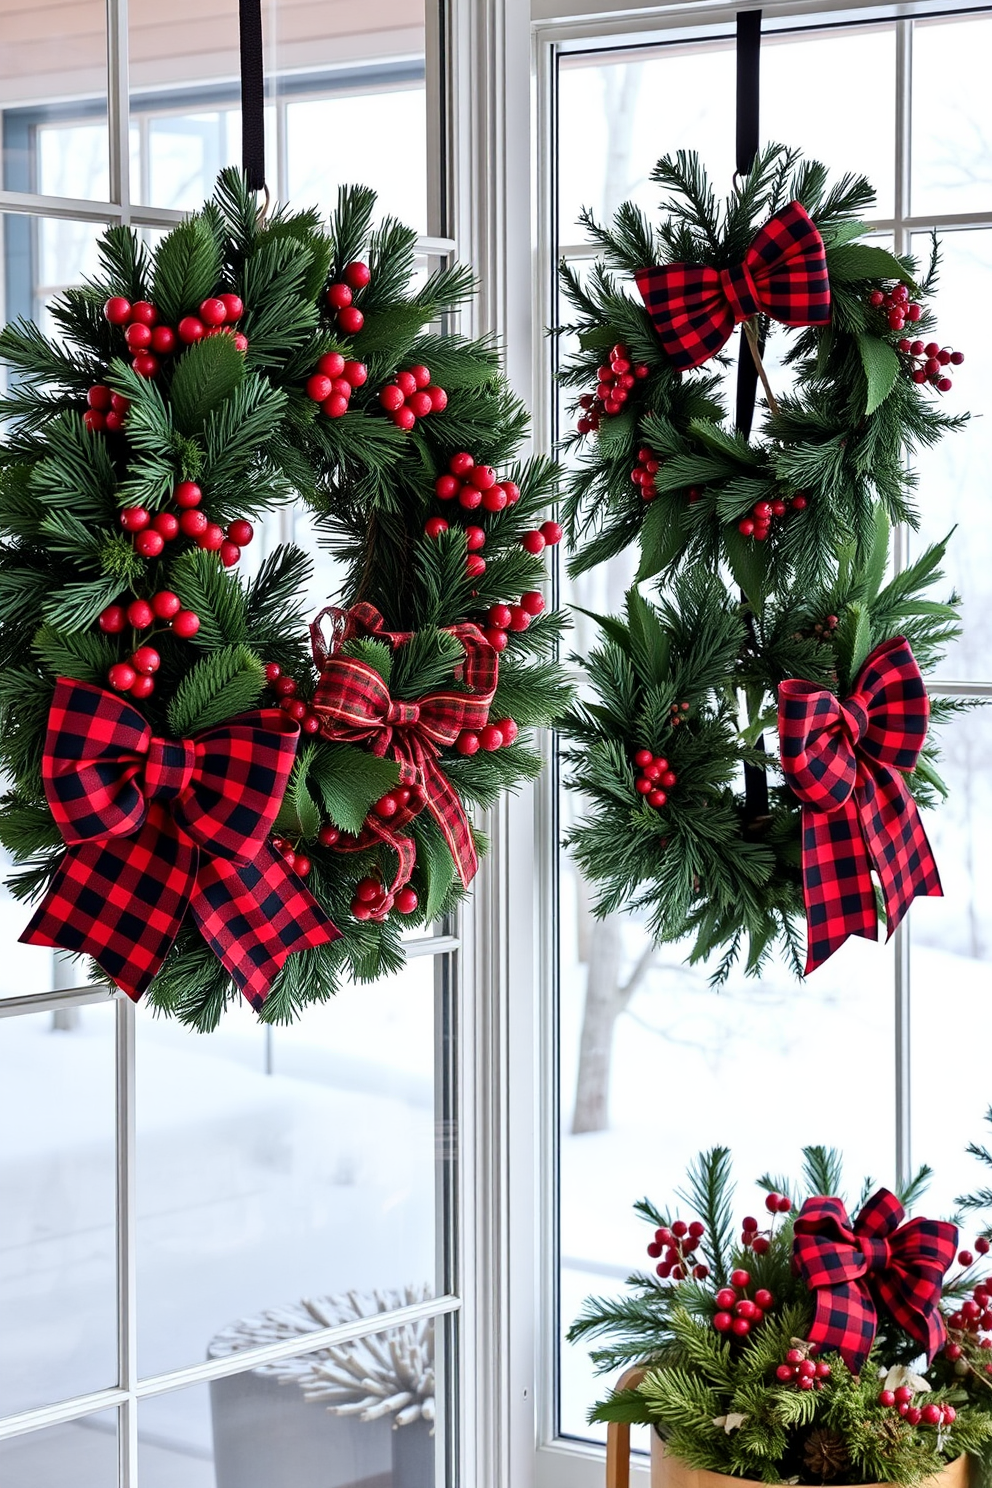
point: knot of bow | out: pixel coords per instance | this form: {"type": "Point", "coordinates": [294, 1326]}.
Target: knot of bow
{"type": "Point", "coordinates": [155, 826]}
{"type": "Point", "coordinates": [876, 1262]}
{"type": "Point", "coordinates": [845, 760]}
{"type": "Point", "coordinates": [354, 705]}
{"type": "Point", "coordinates": [694, 308]}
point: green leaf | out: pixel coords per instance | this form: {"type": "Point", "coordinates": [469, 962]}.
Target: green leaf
{"type": "Point", "coordinates": [435, 865]}
{"type": "Point", "coordinates": [615, 432]}
{"type": "Point", "coordinates": [852, 642]}
{"type": "Point", "coordinates": [615, 629]}
{"type": "Point", "coordinates": [299, 815]}
{"type": "Point", "coordinates": [865, 261]}
{"type": "Point", "coordinates": [384, 329]}
{"type": "Point", "coordinates": [187, 268]}
{"type": "Point", "coordinates": [749, 565]}
{"type": "Point", "coordinates": [222, 685]}
{"type": "Point", "coordinates": [350, 780]}
{"type": "Point", "coordinates": [650, 643]}
{"type": "Point", "coordinates": [84, 656]}
{"type": "Point", "coordinates": [877, 561]}
{"type": "Point", "coordinates": [843, 233]}
{"type": "Point", "coordinates": [881, 366]}
{"type": "Point", "coordinates": [596, 336]}
{"type": "Point", "coordinates": [205, 376]}
{"type": "Point", "coordinates": [721, 442]}
{"type": "Point", "coordinates": [662, 538]}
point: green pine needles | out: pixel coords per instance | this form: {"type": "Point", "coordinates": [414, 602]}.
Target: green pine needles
{"type": "Point", "coordinates": [772, 554]}
{"type": "Point", "coordinates": [719, 1328]}
{"type": "Point", "coordinates": [242, 365]}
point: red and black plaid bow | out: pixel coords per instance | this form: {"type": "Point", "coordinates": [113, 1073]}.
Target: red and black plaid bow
{"type": "Point", "coordinates": [876, 1262]}
{"type": "Point", "coordinates": [842, 759]}
{"type": "Point", "coordinates": [784, 274]}
{"type": "Point", "coordinates": [154, 827]}
{"type": "Point", "coordinates": [354, 705]}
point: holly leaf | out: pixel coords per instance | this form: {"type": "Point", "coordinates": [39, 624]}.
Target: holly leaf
{"type": "Point", "coordinates": [881, 366]}
{"type": "Point", "coordinates": [350, 780]}
{"type": "Point", "coordinates": [854, 261]}
{"type": "Point", "coordinates": [662, 538]}
{"type": "Point", "coordinates": [749, 565]}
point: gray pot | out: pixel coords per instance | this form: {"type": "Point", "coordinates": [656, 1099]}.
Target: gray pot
{"type": "Point", "coordinates": [413, 1456]}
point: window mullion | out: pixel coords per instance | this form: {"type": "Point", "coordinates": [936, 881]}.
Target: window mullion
{"type": "Point", "coordinates": [118, 106]}
{"type": "Point", "coordinates": [127, 1350]}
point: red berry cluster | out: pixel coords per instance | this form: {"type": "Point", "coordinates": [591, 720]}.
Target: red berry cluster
{"type": "Point", "coordinates": [655, 779]}
{"type": "Point", "coordinates": [802, 1371]}
{"type": "Point", "coordinates": [152, 533]}
{"type": "Point", "coordinates": [373, 901]}
{"type": "Point", "coordinates": [644, 472]}
{"type": "Point", "coordinates": [678, 712]}
{"type": "Point", "coordinates": [411, 396]}
{"type": "Point", "coordinates": [475, 485]}
{"type": "Point", "coordinates": [493, 736]}
{"type": "Point", "coordinates": [612, 391]}
{"type": "Point", "coordinates": [929, 363]}
{"type": "Point", "coordinates": [736, 1314]}
{"type": "Point", "coordinates": [147, 340]}
{"type": "Point", "coordinates": [136, 674]}
{"type": "Point", "coordinates": [676, 1243]}
{"type": "Point", "coordinates": [105, 410]}
{"type": "Point", "coordinates": [334, 382]}
{"type": "Point", "coordinates": [514, 617]}
{"type": "Point", "coordinates": [298, 861]}
{"type": "Point", "coordinates": [897, 306]}
{"type": "Point", "coordinates": [901, 1400]}
{"type": "Point", "coordinates": [354, 276]}
{"type": "Point", "coordinates": [763, 513]}
{"type": "Point", "coordinates": [285, 689]}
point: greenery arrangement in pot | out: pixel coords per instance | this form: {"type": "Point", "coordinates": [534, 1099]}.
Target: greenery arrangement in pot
{"type": "Point", "coordinates": [807, 1346]}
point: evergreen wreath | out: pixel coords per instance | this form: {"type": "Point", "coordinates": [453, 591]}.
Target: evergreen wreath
{"type": "Point", "coordinates": [771, 554]}
{"type": "Point", "coordinates": [243, 364]}
{"type": "Point", "coordinates": [748, 1374]}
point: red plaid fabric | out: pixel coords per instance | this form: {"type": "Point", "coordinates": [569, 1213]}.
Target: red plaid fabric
{"type": "Point", "coordinates": [784, 274]}
{"type": "Point", "coordinates": [876, 1262]}
{"type": "Point", "coordinates": [842, 760]}
{"type": "Point", "coordinates": [355, 706]}
{"type": "Point", "coordinates": [154, 827]}
{"type": "Point", "coordinates": [392, 834]}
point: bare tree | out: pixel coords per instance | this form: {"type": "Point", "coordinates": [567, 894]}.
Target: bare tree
{"type": "Point", "coordinates": [606, 998]}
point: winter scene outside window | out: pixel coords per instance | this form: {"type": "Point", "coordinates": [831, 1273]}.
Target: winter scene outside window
{"type": "Point", "coordinates": [168, 1199]}
{"type": "Point", "coordinates": [655, 1064]}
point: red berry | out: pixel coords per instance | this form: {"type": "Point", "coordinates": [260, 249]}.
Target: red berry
{"type": "Point", "coordinates": [386, 806]}
{"type": "Point", "coordinates": [94, 420]}
{"type": "Point", "coordinates": [140, 614]}
{"type": "Point", "coordinates": [295, 708]}
{"type": "Point", "coordinates": [795, 1356]}
{"type": "Point", "coordinates": [498, 639]}
{"type": "Point", "coordinates": [163, 340]}
{"type": "Point", "coordinates": [806, 1369]}
{"type": "Point", "coordinates": [301, 864]}
{"type": "Point", "coordinates": [335, 406]}
{"type": "Point", "coordinates": [950, 1414]}
{"type": "Point", "coordinates": [284, 686]}
{"type": "Point", "coordinates": [328, 835]}
{"type": "Point", "coordinates": [764, 1298]}
{"type": "Point", "coordinates": [230, 553]}
{"type": "Point", "coordinates": [641, 758]}
{"type": "Point", "coordinates": [533, 542]}
{"type": "Point", "coordinates": [351, 321]}
{"type": "Point", "coordinates": [407, 383]}
{"type": "Point", "coordinates": [404, 418]}
{"type": "Point", "coordinates": [876, 297]}
{"type": "Point", "coordinates": [799, 503]}
{"type": "Point", "coordinates": [760, 1245]}
{"type": "Point", "coordinates": [187, 495]}
{"type": "Point", "coordinates": [146, 659]}
{"type": "Point", "coordinates": [823, 1371]}
{"type": "Point", "coordinates": [784, 1373]}
{"type": "Point", "coordinates": [446, 487]}
{"type": "Point", "coordinates": [509, 730]}
{"type": "Point", "coordinates": [746, 527]}
{"type": "Point", "coordinates": [194, 523]}
{"type": "Point", "coordinates": [982, 1245]}
{"type": "Point", "coordinates": [241, 532]}
{"type": "Point", "coordinates": [748, 1309]}
{"type": "Point", "coordinates": [932, 1415]}
{"type": "Point", "coordinates": [533, 603]}
{"type": "Point", "coordinates": [438, 397]}
{"type": "Point", "coordinates": [331, 364]}
{"type": "Point", "coordinates": [167, 525]}
{"type": "Point", "coordinates": [965, 1258]}
{"type": "Point", "coordinates": [944, 385]}
{"type": "Point", "coordinates": [896, 320]}
{"type": "Point", "coordinates": [213, 312]}
{"type": "Point", "coordinates": [740, 1278]}
{"type": "Point", "coordinates": [391, 397]}
{"type": "Point", "coordinates": [421, 375]}
{"type": "Point", "coordinates": [434, 526]}
{"type": "Point", "coordinates": [475, 538]}
{"type": "Point", "coordinates": [99, 397]}
{"type": "Point", "coordinates": [339, 296]}
{"type": "Point", "coordinates": [119, 403]}
{"type": "Point", "coordinates": [233, 307]}
{"type": "Point", "coordinates": [356, 275]}
{"type": "Point", "coordinates": [272, 671]}
{"type": "Point", "coordinates": [552, 533]}
{"type": "Point", "coordinates": [145, 364]}
{"type": "Point", "coordinates": [784, 1205]}
{"type": "Point", "coordinates": [241, 342]}
{"type": "Point", "coordinates": [121, 676]}
{"type": "Point", "coordinates": [741, 1327]}
{"type": "Point", "coordinates": [143, 686]}
{"type": "Point", "coordinates": [643, 785]}
{"type": "Point", "coordinates": [319, 387]}
{"type": "Point", "coordinates": [467, 742]}
{"type": "Point", "coordinates": [356, 373]}
{"type": "Point", "coordinates": [113, 421]}
{"type": "Point", "coordinates": [470, 498]}
{"type": "Point", "coordinates": [490, 738]}
{"type": "Point", "coordinates": [903, 1395]}
{"type": "Point", "coordinates": [725, 1298]}
{"type": "Point", "coordinates": [771, 1202]}
{"type": "Point", "coordinates": [957, 357]}
{"type": "Point", "coordinates": [475, 566]}
{"type": "Point", "coordinates": [700, 1272]}
{"type": "Point", "coordinates": [149, 543]}
{"type": "Point", "coordinates": [407, 901]}
{"type": "Point", "coordinates": [118, 311]}
{"type": "Point", "coordinates": [494, 499]}
{"type": "Point", "coordinates": [113, 619]}
{"type": "Point", "coordinates": [499, 615]}
{"type": "Point", "coordinates": [519, 618]}
{"type": "Point", "coordinates": [420, 405]}
{"type": "Point", "coordinates": [190, 329]}
{"type": "Point", "coordinates": [211, 537]}
{"type": "Point", "coordinates": [461, 463]}
{"type": "Point", "coordinates": [368, 890]}
{"type": "Point", "coordinates": [723, 1322]}
{"type": "Point", "coordinates": [186, 624]}
{"type": "Point", "coordinates": [913, 1415]}
{"type": "Point", "coordinates": [143, 313]}
{"type": "Point", "coordinates": [483, 477]}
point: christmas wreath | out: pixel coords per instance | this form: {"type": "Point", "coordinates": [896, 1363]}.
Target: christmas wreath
{"type": "Point", "coordinates": [772, 555]}
{"type": "Point", "coordinates": [810, 1345]}
{"type": "Point", "coordinates": [209, 794]}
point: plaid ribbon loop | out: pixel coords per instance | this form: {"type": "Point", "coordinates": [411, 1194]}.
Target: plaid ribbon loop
{"type": "Point", "coordinates": [155, 828]}
{"type": "Point", "coordinates": [845, 760]}
{"type": "Point", "coordinates": [694, 308]}
{"type": "Point", "coordinates": [354, 705]}
{"type": "Point", "coordinates": [876, 1263]}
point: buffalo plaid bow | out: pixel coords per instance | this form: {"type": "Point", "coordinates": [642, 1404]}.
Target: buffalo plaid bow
{"type": "Point", "coordinates": [842, 760]}
{"type": "Point", "coordinates": [876, 1262]}
{"type": "Point", "coordinates": [354, 705]}
{"type": "Point", "coordinates": [154, 827]}
{"type": "Point", "coordinates": [784, 274]}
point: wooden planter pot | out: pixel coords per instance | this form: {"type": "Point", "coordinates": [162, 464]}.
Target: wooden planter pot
{"type": "Point", "coordinates": [669, 1472]}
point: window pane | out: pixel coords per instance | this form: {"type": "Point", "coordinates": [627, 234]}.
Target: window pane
{"type": "Point", "coordinates": [954, 476]}
{"type": "Point", "coordinates": [792, 110]}
{"type": "Point", "coordinates": [952, 151]}
{"type": "Point", "coordinates": [53, 92]}
{"type": "Point", "coordinates": [276, 1165]}
{"type": "Point", "coordinates": [657, 1066]}
{"type": "Point", "coordinates": [58, 1331]}
{"type": "Point", "coordinates": [952, 949]}
{"type": "Point", "coordinates": [296, 1421]}
{"type": "Point", "coordinates": [83, 1453]}
{"type": "Point", "coordinates": [619, 111]}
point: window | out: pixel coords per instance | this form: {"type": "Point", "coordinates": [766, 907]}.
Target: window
{"type": "Point", "coordinates": [650, 1064]}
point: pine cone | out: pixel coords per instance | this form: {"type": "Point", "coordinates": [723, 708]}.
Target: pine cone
{"type": "Point", "coordinates": [825, 1454]}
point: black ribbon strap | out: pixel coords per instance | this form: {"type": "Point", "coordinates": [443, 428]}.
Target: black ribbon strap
{"type": "Point", "coordinates": [252, 94]}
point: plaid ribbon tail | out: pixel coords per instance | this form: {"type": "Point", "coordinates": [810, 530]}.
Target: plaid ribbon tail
{"type": "Point", "coordinates": [896, 843]}
{"type": "Point", "coordinates": [445, 806]}
{"type": "Point", "coordinates": [255, 915]}
{"type": "Point", "coordinates": [837, 885]}
{"type": "Point", "coordinates": [120, 901]}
